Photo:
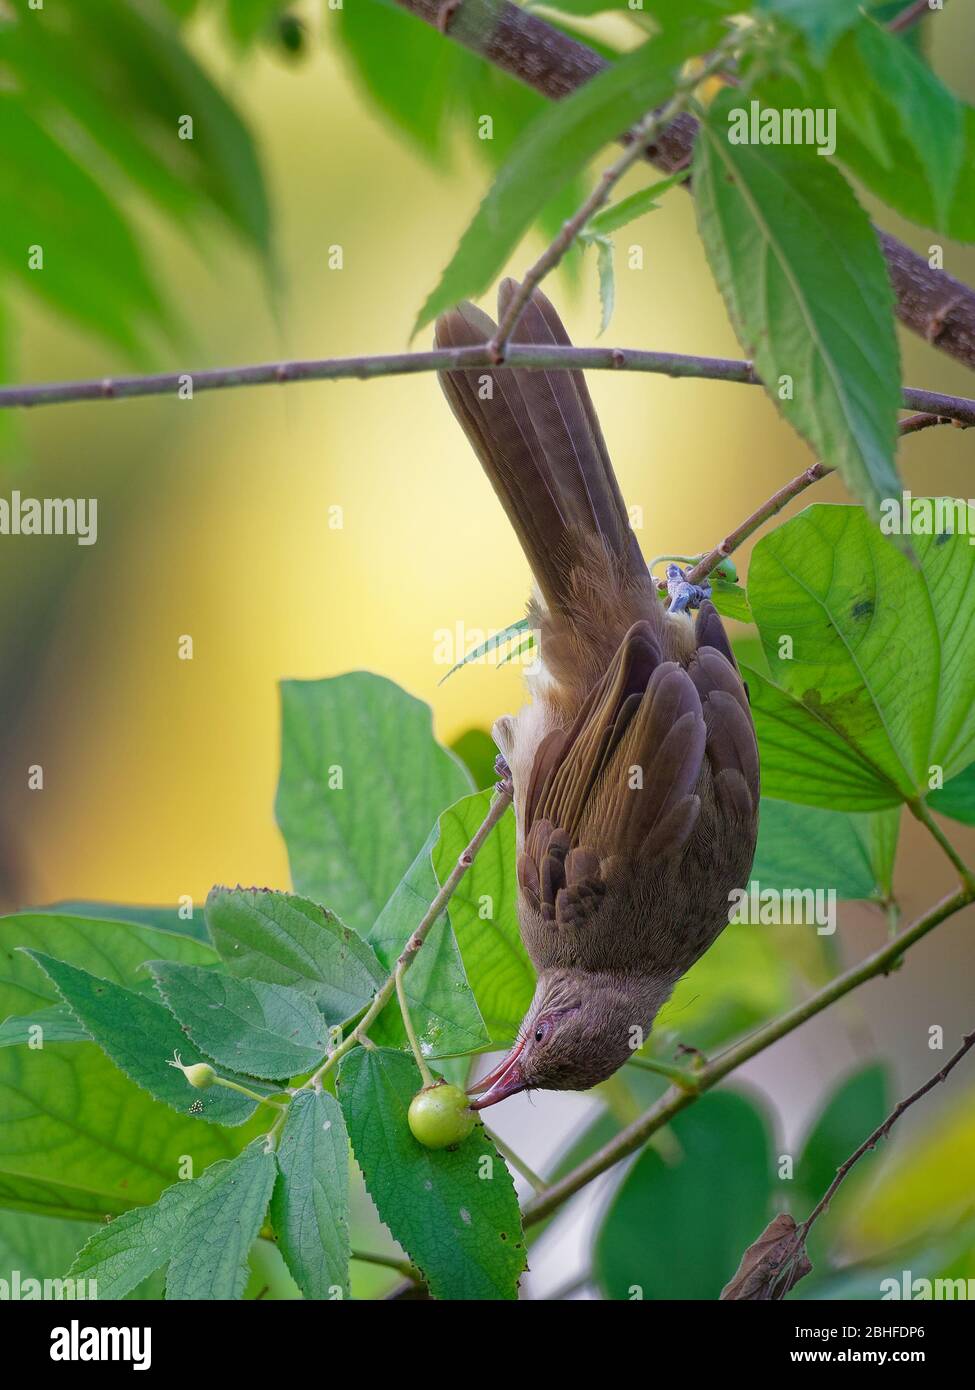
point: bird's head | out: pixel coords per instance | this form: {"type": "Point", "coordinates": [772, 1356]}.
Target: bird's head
{"type": "Point", "coordinates": [580, 1028]}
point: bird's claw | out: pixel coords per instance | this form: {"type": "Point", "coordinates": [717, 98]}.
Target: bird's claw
{"type": "Point", "coordinates": [684, 595]}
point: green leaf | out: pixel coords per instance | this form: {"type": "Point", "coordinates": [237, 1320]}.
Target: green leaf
{"type": "Point", "coordinates": [56, 1024]}
{"type": "Point", "coordinates": [113, 950]}
{"type": "Point", "coordinates": [133, 1246]}
{"type": "Point", "coordinates": [478, 752]}
{"type": "Point", "coordinates": [820, 21]}
{"type": "Point", "coordinates": [607, 282]}
{"type": "Point", "coordinates": [261, 1029]}
{"type": "Point", "coordinates": [798, 263]}
{"type": "Point", "coordinates": [626, 210]}
{"type": "Point", "coordinates": [901, 131]}
{"type": "Point", "coordinates": [141, 1036]}
{"type": "Point", "coordinates": [811, 847]}
{"type": "Point", "coordinates": [484, 915]}
{"type": "Point", "coordinates": [169, 919]}
{"type": "Point", "coordinates": [80, 1140]}
{"type": "Point", "coordinates": [209, 1259]}
{"type": "Point", "coordinates": [498, 639]}
{"type": "Point", "coordinates": [957, 797]}
{"type": "Point", "coordinates": [310, 1205]}
{"type": "Point", "coordinates": [287, 940]}
{"type": "Point", "coordinates": [674, 1229]}
{"type": "Point", "coordinates": [555, 148]}
{"type": "Point", "coordinates": [362, 781]}
{"type": "Point", "coordinates": [439, 997]}
{"type": "Point", "coordinates": [803, 759]}
{"type": "Point", "coordinates": [39, 1247]}
{"type": "Point", "coordinates": [461, 1229]}
{"type": "Point", "coordinates": [879, 652]}
{"type": "Point", "coordinates": [855, 1109]}
{"type": "Point", "coordinates": [730, 599]}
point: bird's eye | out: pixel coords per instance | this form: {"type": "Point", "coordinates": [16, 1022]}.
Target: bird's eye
{"type": "Point", "coordinates": [543, 1029]}
{"type": "Point", "coordinates": [539, 1034]}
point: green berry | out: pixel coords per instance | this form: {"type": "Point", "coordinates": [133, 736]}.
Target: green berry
{"type": "Point", "coordinates": [439, 1116]}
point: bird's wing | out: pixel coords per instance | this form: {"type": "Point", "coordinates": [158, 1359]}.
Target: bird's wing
{"type": "Point", "coordinates": [619, 782]}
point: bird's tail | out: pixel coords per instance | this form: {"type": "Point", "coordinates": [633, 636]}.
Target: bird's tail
{"type": "Point", "coordinates": [539, 441]}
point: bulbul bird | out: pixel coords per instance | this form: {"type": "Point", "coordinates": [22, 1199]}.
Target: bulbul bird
{"type": "Point", "coordinates": [635, 766]}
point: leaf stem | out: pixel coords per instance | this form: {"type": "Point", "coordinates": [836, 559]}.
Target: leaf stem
{"type": "Point", "coordinates": [404, 1009]}
{"type": "Point", "coordinates": [408, 1271]}
{"type": "Point", "coordinates": [251, 1095]}
{"type": "Point", "coordinates": [680, 1076]}
{"type": "Point", "coordinates": [921, 811]}
{"type": "Point", "coordinates": [673, 1101]}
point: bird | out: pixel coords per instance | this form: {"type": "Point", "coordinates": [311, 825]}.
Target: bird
{"type": "Point", "coordinates": [634, 766]}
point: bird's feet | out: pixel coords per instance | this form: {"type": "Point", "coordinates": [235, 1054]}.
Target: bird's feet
{"type": "Point", "coordinates": [684, 595]}
{"type": "Point", "coordinates": [503, 783]}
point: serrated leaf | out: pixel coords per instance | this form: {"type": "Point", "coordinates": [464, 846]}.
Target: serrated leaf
{"type": "Point", "coordinates": [798, 263]}
{"type": "Point", "coordinates": [462, 1231]}
{"type": "Point", "coordinates": [555, 148]}
{"type": "Point", "coordinates": [209, 1259]}
{"type": "Point", "coordinates": [133, 1246]}
{"type": "Point", "coordinates": [880, 650]}
{"type": "Point", "coordinates": [289, 940]}
{"type": "Point", "coordinates": [498, 639]}
{"type": "Point", "coordinates": [607, 282]}
{"type": "Point", "coordinates": [353, 833]}
{"type": "Point", "coordinates": [79, 1139]}
{"type": "Point", "coordinates": [439, 997]}
{"type": "Point", "coordinates": [820, 21]}
{"type": "Point", "coordinates": [484, 915]}
{"type": "Point", "coordinates": [113, 950]}
{"type": "Point", "coordinates": [310, 1205]}
{"type": "Point", "coordinates": [141, 1036]}
{"type": "Point", "coordinates": [264, 1030]}
{"type": "Point", "coordinates": [899, 130]}
{"type": "Point", "coordinates": [627, 210]}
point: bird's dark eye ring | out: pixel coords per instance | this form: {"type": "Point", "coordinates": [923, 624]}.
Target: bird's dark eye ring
{"type": "Point", "coordinates": [539, 1034]}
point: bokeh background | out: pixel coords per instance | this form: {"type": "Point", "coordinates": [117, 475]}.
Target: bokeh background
{"type": "Point", "coordinates": [159, 773]}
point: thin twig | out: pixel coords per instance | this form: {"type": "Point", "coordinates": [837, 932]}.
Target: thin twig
{"type": "Point", "coordinates": [359, 1034]}
{"type": "Point", "coordinates": [642, 139]}
{"type": "Point", "coordinates": [699, 572]}
{"type": "Point", "coordinates": [881, 1132]}
{"type": "Point", "coordinates": [635, 1135]}
{"type": "Point", "coordinates": [518, 356]}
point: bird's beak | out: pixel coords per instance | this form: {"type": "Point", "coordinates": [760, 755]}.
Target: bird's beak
{"type": "Point", "coordinates": [506, 1080]}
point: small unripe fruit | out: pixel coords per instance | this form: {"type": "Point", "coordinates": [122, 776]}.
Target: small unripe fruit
{"type": "Point", "coordinates": [200, 1075]}
{"type": "Point", "coordinates": [439, 1116]}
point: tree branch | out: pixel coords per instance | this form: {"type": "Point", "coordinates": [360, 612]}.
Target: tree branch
{"type": "Point", "coordinates": [635, 1135]}
{"type": "Point", "coordinates": [930, 302]}
{"type": "Point", "coordinates": [529, 357]}
{"type": "Point", "coordinates": [699, 572]}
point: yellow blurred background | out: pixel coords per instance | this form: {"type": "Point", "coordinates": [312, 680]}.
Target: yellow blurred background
{"type": "Point", "coordinates": [159, 773]}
